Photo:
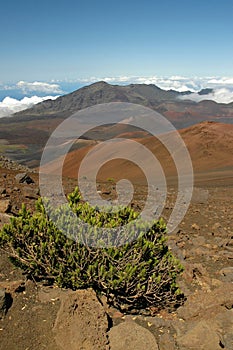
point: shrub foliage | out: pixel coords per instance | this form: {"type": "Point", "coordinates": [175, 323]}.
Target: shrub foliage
{"type": "Point", "coordinates": [136, 275]}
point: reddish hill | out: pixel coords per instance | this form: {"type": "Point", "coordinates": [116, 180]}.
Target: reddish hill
{"type": "Point", "coordinates": [210, 145]}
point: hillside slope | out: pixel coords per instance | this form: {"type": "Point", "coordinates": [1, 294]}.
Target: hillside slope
{"type": "Point", "coordinates": [210, 145]}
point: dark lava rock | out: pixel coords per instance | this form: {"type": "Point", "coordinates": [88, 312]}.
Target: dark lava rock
{"type": "Point", "coordinates": [5, 302]}
{"type": "Point", "coordinates": [24, 178]}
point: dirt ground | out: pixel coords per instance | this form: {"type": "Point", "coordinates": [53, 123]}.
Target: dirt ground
{"type": "Point", "coordinates": [203, 241]}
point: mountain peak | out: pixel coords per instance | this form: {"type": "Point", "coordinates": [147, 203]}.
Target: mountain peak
{"type": "Point", "coordinates": [205, 91]}
{"type": "Point", "coordinates": [101, 82]}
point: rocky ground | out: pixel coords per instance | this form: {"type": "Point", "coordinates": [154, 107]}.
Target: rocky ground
{"type": "Point", "coordinates": [35, 316]}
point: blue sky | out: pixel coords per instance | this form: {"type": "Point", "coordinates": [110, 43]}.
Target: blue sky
{"type": "Point", "coordinates": [47, 40]}
{"type": "Point", "coordinates": [49, 48]}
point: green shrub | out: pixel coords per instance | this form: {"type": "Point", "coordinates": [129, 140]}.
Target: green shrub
{"type": "Point", "coordinates": [111, 179]}
{"type": "Point", "coordinates": [138, 274]}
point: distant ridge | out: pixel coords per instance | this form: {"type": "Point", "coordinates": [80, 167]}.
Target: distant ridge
{"type": "Point", "coordinates": [102, 92]}
{"type": "Point", "coordinates": [24, 135]}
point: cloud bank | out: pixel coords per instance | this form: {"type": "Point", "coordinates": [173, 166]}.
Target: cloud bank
{"type": "Point", "coordinates": [38, 86]}
{"type": "Point", "coordinates": [222, 95]}
{"type": "Point", "coordinates": [32, 87]}
{"type": "Point", "coordinates": [10, 105]}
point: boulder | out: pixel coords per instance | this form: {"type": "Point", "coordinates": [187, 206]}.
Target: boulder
{"type": "Point", "coordinates": [223, 324]}
{"type": "Point", "coordinates": [5, 205]}
{"type": "Point", "coordinates": [4, 219]}
{"type": "Point", "coordinates": [227, 274]}
{"type": "Point", "coordinates": [2, 190]}
{"type": "Point", "coordinates": [167, 342]}
{"type": "Point", "coordinates": [12, 286]}
{"type": "Point", "coordinates": [205, 303]}
{"type": "Point", "coordinates": [131, 336]}
{"type": "Point", "coordinates": [200, 336]}
{"type": "Point", "coordinates": [81, 322]}
{"type": "Point", "coordinates": [30, 193]}
{"type": "Point", "coordinates": [227, 341]}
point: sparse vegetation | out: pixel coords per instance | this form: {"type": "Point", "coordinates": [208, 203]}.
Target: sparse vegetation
{"type": "Point", "coordinates": [111, 179]}
{"type": "Point", "coordinates": [138, 274]}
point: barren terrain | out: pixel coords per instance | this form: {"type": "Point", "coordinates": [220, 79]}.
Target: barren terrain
{"type": "Point", "coordinates": [209, 144]}
{"type": "Point", "coordinates": [41, 317]}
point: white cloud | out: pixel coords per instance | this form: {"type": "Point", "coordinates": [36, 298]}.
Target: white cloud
{"type": "Point", "coordinates": [38, 86]}
{"type": "Point", "coordinates": [221, 81]}
{"type": "Point", "coordinates": [222, 95]}
{"type": "Point", "coordinates": [10, 105]}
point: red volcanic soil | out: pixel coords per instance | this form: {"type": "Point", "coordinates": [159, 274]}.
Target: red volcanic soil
{"type": "Point", "coordinates": [210, 145]}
